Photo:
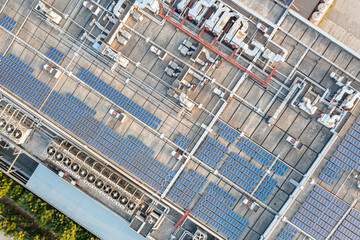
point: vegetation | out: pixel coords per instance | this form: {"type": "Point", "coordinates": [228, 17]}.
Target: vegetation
{"type": "Point", "coordinates": [25, 216]}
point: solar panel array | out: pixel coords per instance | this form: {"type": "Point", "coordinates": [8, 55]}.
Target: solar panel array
{"type": "Point", "coordinates": [14, 76]}
{"type": "Point", "coordinates": [319, 214]}
{"type": "Point", "coordinates": [7, 23]}
{"type": "Point", "coordinates": [241, 172]}
{"type": "Point", "coordinates": [182, 141]}
{"type": "Point", "coordinates": [108, 142]}
{"type": "Point", "coordinates": [255, 151]}
{"type": "Point", "coordinates": [186, 187]}
{"type": "Point", "coordinates": [226, 136]}
{"type": "Point", "coordinates": [347, 156]}
{"type": "Point", "coordinates": [266, 187]}
{"type": "Point", "coordinates": [120, 99]}
{"type": "Point", "coordinates": [349, 228]}
{"type": "Point", "coordinates": [141, 145]}
{"type": "Point", "coordinates": [228, 130]}
{"type": "Point", "coordinates": [211, 152]}
{"type": "Point", "coordinates": [80, 104]}
{"type": "Point", "coordinates": [21, 63]}
{"type": "Point", "coordinates": [280, 168]}
{"type": "Point", "coordinates": [214, 208]}
{"type": "Point", "coordinates": [287, 233]}
{"type": "Point", "coordinates": [55, 55]}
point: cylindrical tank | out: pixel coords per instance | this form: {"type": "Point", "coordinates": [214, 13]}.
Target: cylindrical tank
{"type": "Point", "coordinates": [316, 18]}
{"type": "Point", "coordinates": [328, 2]}
{"type": "Point", "coordinates": [322, 7]}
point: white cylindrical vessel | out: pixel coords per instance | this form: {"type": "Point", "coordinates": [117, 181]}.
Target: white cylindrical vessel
{"type": "Point", "coordinates": [322, 7]}
{"type": "Point", "coordinates": [327, 2]}
{"type": "Point", "coordinates": [316, 17]}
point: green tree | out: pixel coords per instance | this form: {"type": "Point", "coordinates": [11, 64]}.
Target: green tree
{"type": "Point", "coordinates": [15, 192]}
{"type": "Point", "coordinates": [5, 185]}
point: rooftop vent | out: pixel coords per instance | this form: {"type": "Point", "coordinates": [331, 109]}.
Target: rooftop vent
{"type": "Point", "coordinates": [51, 151]}
{"type": "Point", "coordinates": [91, 178]}
{"type": "Point", "coordinates": [2, 123]}
{"type": "Point", "coordinates": [115, 194]}
{"type": "Point", "coordinates": [10, 128]}
{"type": "Point", "coordinates": [83, 172]}
{"type": "Point", "coordinates": [75, 167]}
{"type": "Point", "coordinates": [59, 156]}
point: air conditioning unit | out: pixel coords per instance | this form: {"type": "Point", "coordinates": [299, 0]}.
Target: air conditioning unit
{"type": "Point", "coordinates": [16, 129]}
{"type": "Point", "coordinates": [200, 235]}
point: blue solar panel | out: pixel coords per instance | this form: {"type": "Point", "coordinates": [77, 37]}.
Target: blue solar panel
{"type": "Point", "coordinates": [333, 167]}
{"type": "Point", "coordinates": [271, 181]}
{"type": "Point", "coordinates": [80, 103]}
{"type": "Point", "coordinates": [6, 25]}
{"type": "Point", "coordinates": [214, 210]}
{"type": "Point", "coordinates": [257, 149]}
{"type": "Point", "coordinates": [207, 160]}
{"type": "Point", "coordinates": [120, 99]}
{"type": "Point", "coordinates": [21, 63]}
{"type": "Point", "coordinates": [227, 129]}
{"type": "Point", "coordinates": [56, 52]}
{"type": "Point", "coordinates": [180, 143]}
{"type": "Point", "coordinates": [53, 57]}
{"type": "Point", "coordinates": [278, 170]}
{"type": "Point", "coordinates": [9, 20]}
{"type": "Point", "coordinates": [319, 213]}
{"type": "Point", "coordinates": [108, 142]}
{"type": "Point", "coordinates": [235, 179]}
{"type": "Point", "coordinates": [184, 139]}
{"type": "Point", "coordinates": [251, 152]}
{"type": "Point", "coordinates": [141, 145]}
{"type": "Point", "coordinates": [226, 136]}
{"type": "Point", "coordinates": [186, 187]}
{"type": "Point", "coordinates": [216, 144]}
{"type": "Point", "coordinates": [12, 78]}
{"type": "Point", "coordinates": [245, 163]}
{"type": "Point", "coordinates": [281, 165]}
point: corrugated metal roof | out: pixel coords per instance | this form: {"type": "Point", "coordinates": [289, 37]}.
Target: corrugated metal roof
{"type": "Point", "coordinates": [79, 207]}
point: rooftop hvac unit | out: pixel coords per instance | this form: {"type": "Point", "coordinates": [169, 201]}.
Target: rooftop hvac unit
{"type": "Point", "coordinates": [75, 167]}
{"type": "Point", "coordinates": [50, 151]}
{"type": "Point", "coordinates": [59, 156]}
{"type": "Point", "coordinates": [18, 134]}
{"type": "Point", "coordinates": [99, 183]}
{"type": "Point", "coordinates": [107, 189]}
{"type": "Point", "coordinates": [131, 205]}
{"type": "Point", "coordinates": [15, 128]}
{"type": "Point", "coordinates": [83, 172]}
{"type": "Point", "coordinates": [2, 123]}
{"type": "Point", "coordinates": [9, 128]}
{"type": "Point", "coordinates": [91, 178]}
{"type": "Point", "coordinates": [67, 162]}
{"type": "Point", "coordinates": [200, 235]}
{"type": "Point", "coordinates": [123, 200]}
{"type": "Point", "coordinates": [115, 194]}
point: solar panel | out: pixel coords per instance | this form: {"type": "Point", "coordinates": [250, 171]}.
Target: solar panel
{"type": "Point", "coordinates": [254, 151]}
{"type": "Point", "coordinates": [9, 20]}
{"type": "Point", "coordinates": [108, 142]}
{"type": "Point", "coordinates": [214, 209]}
{"type": "Point", "coordinates": [226, 136]}
{"type": "Point", "coordinates": [80, 103]}
{"type": "Point", "coordinates": [227, 129]}
{"type": "Point", "coordinates": [120, 99]}
{"type": "Point", "coordinates": [18, 81]}
{"type": "Point", "coordinates": [141, 145]}
{"type": "Point", "coordinates": [319, 213]}
{"type": "Point", "coordinates": [21, 63]}
{"type": "Point", "coordinates": [186, 188]}
{"type": "Point", "coordinates": [6, 25]}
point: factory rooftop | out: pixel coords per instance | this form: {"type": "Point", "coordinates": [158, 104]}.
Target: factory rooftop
{"type": "Point", "coordinates": [183, 119]}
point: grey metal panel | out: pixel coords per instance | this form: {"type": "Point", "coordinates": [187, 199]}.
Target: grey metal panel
{"type": "Point", "coordinates": [79, 207]}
